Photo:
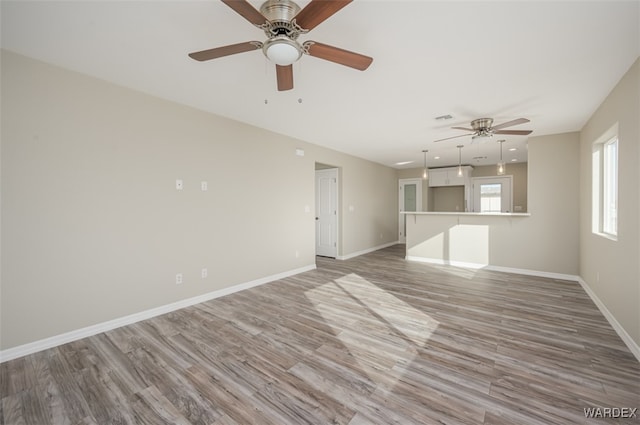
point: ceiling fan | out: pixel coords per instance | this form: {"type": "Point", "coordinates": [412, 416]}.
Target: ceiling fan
{"type": "Point", "coordinates": [482, 127]}
{"type": "Point", "coordinates": [283, 22]}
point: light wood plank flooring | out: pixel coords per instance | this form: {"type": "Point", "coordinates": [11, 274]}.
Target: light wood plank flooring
{"type": "Point", "coordinates": [372, 340]}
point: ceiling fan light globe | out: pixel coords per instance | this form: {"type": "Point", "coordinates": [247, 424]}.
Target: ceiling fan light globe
{"type": "Point", "coordinates": [282, 51]}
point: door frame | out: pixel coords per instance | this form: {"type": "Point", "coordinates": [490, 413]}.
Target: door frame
{"type": "Point", "coordinates": [402, 238]}
{"type": "Point", "coordinates": [335, 171]}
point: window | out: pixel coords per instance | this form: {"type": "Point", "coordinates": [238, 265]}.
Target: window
{"type": "Point", "coordinates": [605, 185]}
{"type": "Point", "coordinates": [490, 197]}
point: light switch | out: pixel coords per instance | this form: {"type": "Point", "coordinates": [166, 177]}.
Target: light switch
{"type": "Point", "coordinates": [179, 184]}
{"type": "Point", "coordinates": [204, 186]}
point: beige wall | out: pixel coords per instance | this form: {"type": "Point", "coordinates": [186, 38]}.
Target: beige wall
{"type": "Point", "coordinates": [610, 268]}
{"type": "Point", "coordinates": [93, 228]}
{"type": "Point", "coordinates": [447, 198]}
{"type": "Point", "coordinates": [546, 241]}
{"type": "Point", "coordinates": [519, 173]}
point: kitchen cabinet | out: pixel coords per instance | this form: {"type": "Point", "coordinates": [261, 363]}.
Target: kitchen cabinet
{"type": "Point", "coordinates": [449, 176]}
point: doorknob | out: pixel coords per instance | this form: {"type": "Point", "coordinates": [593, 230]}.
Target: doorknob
{"type": "Point", "coordinates": [317, 218]}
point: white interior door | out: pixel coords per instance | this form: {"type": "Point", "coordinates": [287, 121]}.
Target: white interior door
{"type": "Point", "coordinates": [410, 199]}
{"type": "Point", "coordinates": [327, 212]}
{"type": "Point", "coordinates": [493, 194]}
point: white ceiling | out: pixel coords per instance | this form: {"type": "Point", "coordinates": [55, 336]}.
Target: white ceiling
{"type": "Point", "coordinates": [552, 62]}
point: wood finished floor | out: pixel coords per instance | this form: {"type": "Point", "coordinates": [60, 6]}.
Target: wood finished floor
{"type": "Point", "coordinates": [372, 340]}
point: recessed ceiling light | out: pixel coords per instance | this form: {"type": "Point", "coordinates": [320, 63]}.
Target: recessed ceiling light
{"type": "Point", "coordinates": [514, 160]}
{"type": "Point", "coordinates": [513, 149]}
{"type": "Point", "coordinates": [436, 157]}
{"type": "Point", "coordinates": [403, 163]}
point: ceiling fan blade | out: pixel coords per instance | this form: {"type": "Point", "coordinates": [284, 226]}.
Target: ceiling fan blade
{"type": "Point", "coordinates": [285, 77]}
{"type": "Point", "coordinates": [454, 137]}
{"type": "Point", "coordinates": [462, 128]}
{"type": "Point", "coordinates": [248, 12]}
{"type": "Point", "coordinates": [510, 123]}
{"type": "Point", "coordinates": [514, 132]}
{"type": "Point", "coordinates": [337, 55]}
{"type": "Point", "coordinates": [231, 49]}
{"type": "Point", "coordinates": [317, 11]}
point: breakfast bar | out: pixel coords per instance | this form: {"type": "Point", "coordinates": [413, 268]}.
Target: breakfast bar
{"type": "Point", "coordinates": [499, 241]}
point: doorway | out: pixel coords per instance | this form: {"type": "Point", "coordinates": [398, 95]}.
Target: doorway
{"type": "Point", "coordinates": [327, 212]}
{"type": "Point", "coordinates": [493, 194]}
{"type": "Point", "coordinates": [410, 199]}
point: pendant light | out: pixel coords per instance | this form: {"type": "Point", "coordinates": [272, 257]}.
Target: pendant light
{"type": "Point", "coordinates": [501, 167]}
{"type": "Point", "coordinates": [425, 172]}
{"type": "Point", "coordinates": [460, 160]}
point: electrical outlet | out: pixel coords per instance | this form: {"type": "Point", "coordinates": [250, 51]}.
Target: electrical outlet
{"type": "Point", "coordinates": [204, 186]}
{"type": "Point", "coordinates": [179, 279]}
{"type": "Point", "coordinates": [204, 273]}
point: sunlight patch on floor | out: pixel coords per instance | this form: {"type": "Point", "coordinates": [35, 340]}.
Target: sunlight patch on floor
{"type": "Point", "coordinates": [367, 319]}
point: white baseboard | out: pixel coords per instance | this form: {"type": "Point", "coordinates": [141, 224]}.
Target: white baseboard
{"type": "Point", "coordinates": [527, 272]}
{"type": "Point", "coordinates": [445, 262]}
{"type": "Point", "coordinates": [626, 338]}
{"type": "Point", "coordinates": [366, 251]}
{"type": "Point", "coordinates": [539, 273]}
{"type": "Point", "coordinates": [54, 341]}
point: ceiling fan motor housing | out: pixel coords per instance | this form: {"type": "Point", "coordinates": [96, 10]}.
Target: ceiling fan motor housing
{"type": "Point", "coordinates": [280, 14]}
{"type": "Point", "coordinates": [279, 10]}
{"type": "Point", "coordinates": [482, 124]}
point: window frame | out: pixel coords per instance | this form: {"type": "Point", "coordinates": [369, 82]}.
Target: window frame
{"type": "Point", "coordinates": [606, 171]}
